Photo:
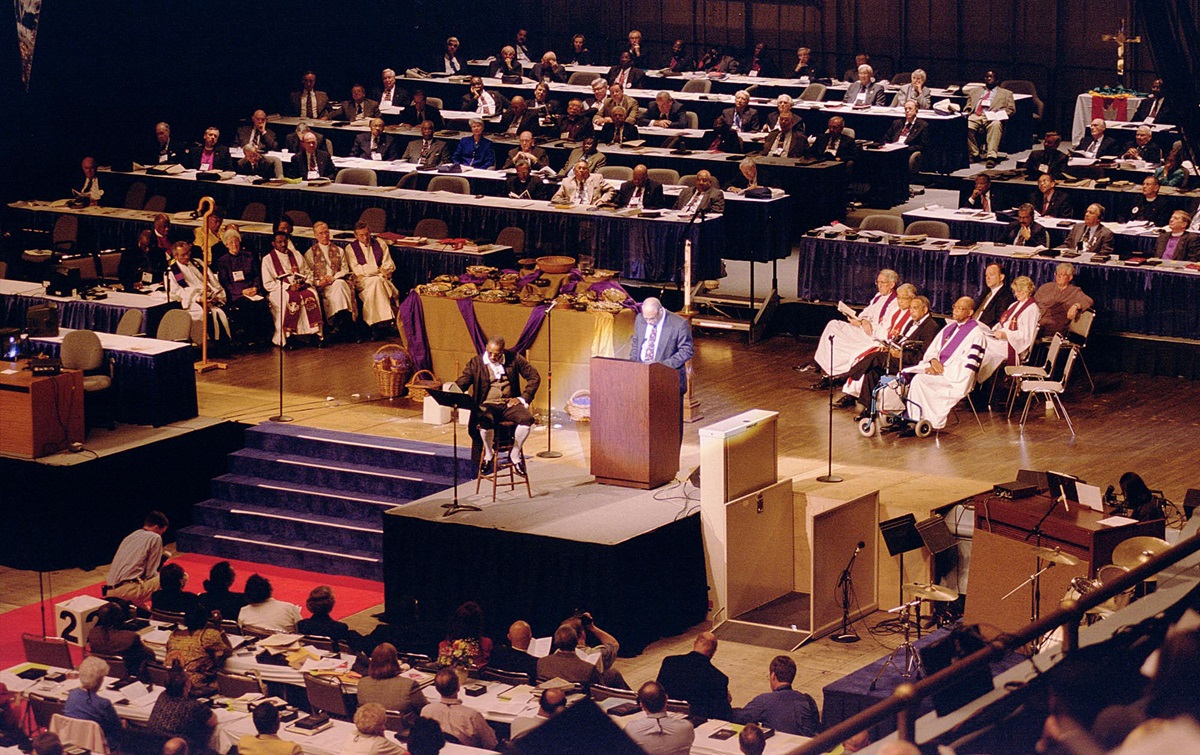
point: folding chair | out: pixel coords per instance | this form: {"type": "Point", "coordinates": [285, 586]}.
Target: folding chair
{"type": "Point", "coordinates": [1051, 390]}
{"type": "Point", "coordinates": [1017, 373]}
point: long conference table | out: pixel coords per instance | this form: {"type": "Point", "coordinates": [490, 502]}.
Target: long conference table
{"type": "Point", "coordinates": [1116, 201]}
{"type": "Point", "coordinates": [1154, 301]}
{"type": "Point", "coordinates": [101, 315]}
{"type": "Point", "coordinates": [640, 248]}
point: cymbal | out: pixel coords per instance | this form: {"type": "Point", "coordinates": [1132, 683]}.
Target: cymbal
{"type": "Point", "coordinates": [1138, 550]}
{"type": "Point", "coordinates": [930, 592]}
{"type": "Point", "coordinates": [1055, 555]}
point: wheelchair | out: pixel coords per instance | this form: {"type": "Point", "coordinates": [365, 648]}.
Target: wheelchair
{"type": "Point", "coordinates": [881, 420]}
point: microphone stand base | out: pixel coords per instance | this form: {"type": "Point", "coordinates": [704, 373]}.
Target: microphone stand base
{"type": "Point", "coordinates": [829, 478]}
{"type": "Point", "coordinates": [280, 418]}
{"type": "Point", "coordinates": [845, 638]}
{"type": "Point", "coordinates": [549, 454]}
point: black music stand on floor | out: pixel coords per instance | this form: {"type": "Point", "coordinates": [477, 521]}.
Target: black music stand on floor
{"type": "Point", "coordinates": [455, 401]}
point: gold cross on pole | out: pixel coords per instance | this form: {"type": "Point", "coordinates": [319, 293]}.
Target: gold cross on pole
{"type": "Point", "coordinates": [1121, 39]}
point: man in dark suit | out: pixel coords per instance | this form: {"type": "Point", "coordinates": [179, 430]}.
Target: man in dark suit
{"type": "Point", "coordinates": [548, 70]}
{"type": "Point", "coordinates": [482, 102]}
{"type": "Point", "coordinates": [165, 150]}
{"type": "Point", "coordinates": [1095, 143]}
{"type": "Point", "coordinates": [980, 197]}
{"type": "Point", "coordinates": [523, 184]}
{"type": "Point", "coordinates": [515, 655]}
{"type": "Point", "coordinates": [309, 102]}
{"type": "Point", "coordinates": [1142, 148]}
{"type": "Point", "coordinates": [564, 664]}
{"type": "Point", "coordinates": [834, 145]}
{"type": "Point", "coordinates": [994, 297]}
{"type": "Point", "coordinates": [528, 151]}
{"type": "Point", "coordinates": [358, 107]}
{"type": "Point", "coordinates": [663, 337]}
{"type": "Point", "coordinates": [1153, 109]}
{"type": "Point", "coordinates": [257, 133]}
{"type": "Point", "coordinates": [679, 61]}
{"type": "Point", "coordinates": [494, 379]}
{"type": "Point", "coordinates": [1091, 235]}
{"type": "Point", "coordinates": [420, 111]}
{"type": "Point", "coordinates": [579, 55]}
{"type": "Point", "coordinates": [310, 162]}
{"type": "Point", "coordinates": [575, 124]}
{"type": "Point", "coordinates": [757, 63]}
{"type": "Point", "coordinates": [787, 140]}
{"type": "Point", "coordinates": [254, 163]}
{"type": "Point", "coordinates": [694, 678]}
{"type": "Point", "coordinates": [625, 73]}
{"type": "Point", "coordinates": [664, 113]}
{"type": "Point", "coordinates": [1024, 231]}
{"type": "Point", "coordinates": [208, 155]}
{"type": "Point", "coordinates": [1048, 200]}
{"type": "Point", "coordinates": [374, 145]}
{"type": "Point", "coordinates": [1049, 159]}
{"type": "Point", "coordinates": [517, 118]}
{"type": "Point", "coordinates": [914, 336]}
{"type": "Point", "coordinates": [703, 197]}
{"type": "Point", "coordinates": [1178, 243]}
{"type": "Point", "coordinates": [295, 140]}
{"type": "Point", "coordinates": [910, 130]}
{"type": "Point", "coordinates": [1149, 207]}
{"type": "Point", "coordinates": [141, 264]}
{"type": "Point", "coordinates": [865, 91]}
{"type": "Point", "coordinates": [641, 191]}
{"type": "Point", "coordinates": [741, 116]}
{"type": "Point", "coordinates": [619, 130]}
{"type": "Point", "coordinates": [450, 62]}
{"type": "Point", "coordinates": [390, 94]}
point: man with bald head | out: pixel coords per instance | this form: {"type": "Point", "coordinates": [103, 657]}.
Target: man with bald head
{"type": "Point", "coordinates": [1142, 148]}
{"type": "Point", "coordinates": [703, 197]}
{"type": "Point", "coordinates": [948, 370]}
{"type": "Point", "coordinates": [694, 678]}
{"type": "Point", "coordinates": [514, 656]}
{"type": "Point", "coordinates": [641, 192]}
{"type": "Point", "coordinates": [310, 162]}
{"type": "Point", "coordinates": [503, 383]}
{"type": "Point", "coordinates": [257, 133]}
{"type": "Point", "coordinates": [426, 152]}
{"type": "Point", "coordinates": [1096, 144]}
{"type": "Point", "coordinates": [528, 151]}
{"type": "Point", "coordinates": [584, 189]}
{"type": "Point", "coordinates": [518, 118]}
{"type": "Point", "coordinates": [834, 144]}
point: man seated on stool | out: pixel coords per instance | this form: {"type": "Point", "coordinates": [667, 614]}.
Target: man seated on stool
{"type": "Point", "coordinates": [494, 380]}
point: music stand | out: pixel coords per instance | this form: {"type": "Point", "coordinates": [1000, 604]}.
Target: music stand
{"type": "Point", "coordinates": [455, 401]}
{"type": "Point", "coordinates": [901, 536]}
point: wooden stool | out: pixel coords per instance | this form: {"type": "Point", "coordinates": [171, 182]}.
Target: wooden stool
{"type": "Point", "coordinates": [504, 472]}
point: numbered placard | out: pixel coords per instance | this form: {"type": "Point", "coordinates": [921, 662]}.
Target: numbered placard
{"type": "Point", "coordinates": [75, 618]}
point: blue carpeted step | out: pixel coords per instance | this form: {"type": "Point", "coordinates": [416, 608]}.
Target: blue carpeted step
{"type": "Point", "coordinates": [269, 549]}
{"type": "Point", "coordinates": [338, 475]}
{"type": "Point", "coordinates": [356, 448]}
{"type": "Point", "coordinates": [327, 532]}
{"type": "Point", "coordinates": [304, 499]}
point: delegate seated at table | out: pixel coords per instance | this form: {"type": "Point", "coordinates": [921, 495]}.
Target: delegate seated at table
{"type": "Point", "coordinates": [835, 145]}
{"type": "Point", "coordinates": [980, 197]}
{"type": "Point", "coordinates": [209, 155]}
{"type": "Point", "coordinates": [586, 152]}
{"type": "Point", "coordinates": [476, 150]}
{"type": "Point", "coordinates": [1097, 144]}
{"type": "Point", "coordinates": [517, 118]}
{"type": "Point", "coordinates": [701, 198]}
{"type": "Point", "coordinates": [914, 91]}
{"type": "Point", "coordinates": [89, 190]}
{"type": "Point", "coordinates": [419, 111]}
{"type": "Point", "coordinates": [783, 104]}
{"type": "Point", "coordinates": [374, 145]}
{"type": "Point", "coordinates": [910, 130]}
{"type": "Point", "coordinates": [1153, 108]}
{"type": "Point", "coordinates": [741, 116]}
{"type": "Point", "coordinates": [864, 91]}
{"type": "Point", "coordinates": [425, 152]}
{"type": "Point", "coordinates": [584, 189]}
{"type": "Point", "coordinates": [949, 368]}
{"type": "Point", "coordinates": [1060, 300]}
{"type": "Point", "coordinates": [523, 184]}
{"type": "Point", "coordinates": [389, 94]}
{"type": "Point", "coordinates": [616, 98]}
{"type": "Point", "coordinates": [527, 150]}
{"type": "Point", "coordinates": [641, 191]}
{"type": "Point", "coordinates": [141, 264]}
{"type": "Point", "coordinates": [618, 130]}
{"type": "Point", "coordinates": [1091, 235]}
{"type": "Point", "coordinates": [1048, 200]}
{"type": "Point", "coordinates": [1025, 231]}
{"type": "Point", "coordinates": [309, 102]}
{"type": "Point", "coordinates": [625, 72]}
{"type": "Point", "coordinates": [1178, 243]}
{"type": "Point", "coordinates": [1149, 207]}
{"type": "Point", "coordinates": [1049, 159]}
{"type": "Point", "coordinates": [576, 123]}
{"type": "Point", "coordinates": [548, 70]}
{"type": "Point", "coordinates": [481, 102]}
{"type": "Point", "coordinates": [185, 283]}
{"type": "Point", "coordinates": [721, 138]}
{"type": "Point", "coordinates": [1142, 148]}
{"type": "Point", "coordinates": [254, 163]}
{"type": "Point", "coordinates": [664, 113]}
{"type": "Point", "coordinates": [788, 140]}
{"type": "Point", "coordinates": [310, 162]}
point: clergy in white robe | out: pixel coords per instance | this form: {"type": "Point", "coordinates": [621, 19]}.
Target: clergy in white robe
{"type": "Point", "coordinates": [331, 273]}
{"type": "Point", "coordinates": [896, 323]}
{"type": "Point", "coordinates": [1014, 333]}
{"type": "Point", "coordinates": [371, 262]}
{"type": "Point", "coordinates": [948, 370]}
{"type": "Point", "coordinates": [288, 282]}
{"type": "Point", "coordinates": [184, 281]}
{"type": "Point", "coordinates": [852, 338]}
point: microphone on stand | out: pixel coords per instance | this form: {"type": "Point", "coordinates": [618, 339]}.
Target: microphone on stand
{"type": "Point", "coordinates": [553, 304]}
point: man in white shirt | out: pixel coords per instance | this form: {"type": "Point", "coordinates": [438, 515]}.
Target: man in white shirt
{"type": "Point", "coordinates": [133, 574]}
{"type": "Point", "coordinates": [450, 62]}
{"type": "Point", "coordinates": [658, 733]}
{"type": "Point", "coordinates": [91, 190]}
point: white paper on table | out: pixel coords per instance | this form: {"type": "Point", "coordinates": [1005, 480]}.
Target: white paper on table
{"type": "Point", "coordinates": [502, 708]}
{"type": "Point", "coordinates": [996, 115]}
{"type": "Point", "coordinates": [156, 637]}
{"type": "Point", "coordinates": [324, 664]}
{"type": "Point", "coordinates": [1081, 162]}
{"type": "Point", "coordinates": [1115, 521]}
{"type": "Point", "coordinates": [959, 251]}
{"type": "Point", "coordinates": [279, 640]}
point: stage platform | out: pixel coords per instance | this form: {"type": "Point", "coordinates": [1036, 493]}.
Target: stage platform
{"type": "Point", "coordinates": [634, 559]}
{"type": "Point", "coordinates": [72, 509]}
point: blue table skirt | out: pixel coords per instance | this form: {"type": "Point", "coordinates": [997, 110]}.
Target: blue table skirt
{"type": "Point", "coordinates": [640, 249]}
{"type": "Point", "coordinates": [151, 389]}
{"type": "Point", "coordinates": [80, 314]}
{"type": "Point", "coordinates": [973, 230]}
{"type": "Point", "coordinates": [1145, 301]}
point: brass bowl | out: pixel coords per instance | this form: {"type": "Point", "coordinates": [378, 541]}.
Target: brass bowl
{"type": "Point", "coordinates": [555, 264]}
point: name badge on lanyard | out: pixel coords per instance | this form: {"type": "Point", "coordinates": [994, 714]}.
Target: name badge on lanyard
{"type": "Point", "coordinates": [238, 276]}
{"type": "Point", "coordinates": [376, 156]}
{"type": "Point", "coordinates": [313, 175]}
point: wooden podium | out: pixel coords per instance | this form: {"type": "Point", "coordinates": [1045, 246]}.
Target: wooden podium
{"type": "Point", "coordinates": [39, 415]}
{"type": "Point", "coordinates": [635, 423]}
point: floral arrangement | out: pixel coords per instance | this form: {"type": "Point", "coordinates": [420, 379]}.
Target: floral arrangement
{"type": "Point", "coordinates": [461, 653]}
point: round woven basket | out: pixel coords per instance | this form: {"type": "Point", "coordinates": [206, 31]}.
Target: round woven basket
{"type": "Point", "coordinates": [418, 386]}
{"type": "Point", "coordinates": [579, 406]}
{"type": "Point", "coordinates": [392, 366]}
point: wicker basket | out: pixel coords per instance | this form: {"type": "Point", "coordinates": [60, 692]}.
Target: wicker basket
{"type": "Point", "coordinates": [418, 387]}
{"type": "Point", "coordinates": [392, 365]}
{"type": "Point", "coordinates": [579, 406]}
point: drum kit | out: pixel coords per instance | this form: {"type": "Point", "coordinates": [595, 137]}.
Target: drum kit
{"type": "Point", "coordinates": [920, 592]}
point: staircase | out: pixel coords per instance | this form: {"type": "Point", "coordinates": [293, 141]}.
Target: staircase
{"type": "Point", "coordinates": [313, 499]}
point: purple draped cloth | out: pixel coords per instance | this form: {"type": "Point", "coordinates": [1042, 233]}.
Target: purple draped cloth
{"type": "Point", "coordinates": [533, 325]}
{"type": "Point", "coordinates": [412, 318]}
{"type": "Point", "coordinates": [466, 308]}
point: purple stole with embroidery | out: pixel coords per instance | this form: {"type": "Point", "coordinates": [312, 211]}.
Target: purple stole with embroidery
{"type": "Point", "coordinates": [1010, 318]}
{"type": "Point", "coordinates": [296, 299]}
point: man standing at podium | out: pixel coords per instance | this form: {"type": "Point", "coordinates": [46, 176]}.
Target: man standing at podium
{"type": "Point", "coordinates": [664, 337]}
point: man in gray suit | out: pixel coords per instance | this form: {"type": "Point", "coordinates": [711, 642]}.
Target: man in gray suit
{"type": "Point", "coordinates": [257, 133]}
{"type": "Point", "coordinates": [584, 188]}
{"type": "Point", "coordinates": [1091, 235]}
{"type": "Point", "coordinates": [866, 91]}
{"type": "Point", "coordinates": [309, 102]}
{"type": "Point", "coordinates": [358, 107]}
{"type": "Point", "coordinates": [993, 99]}
{"type": "Point", "coordinates": [426, 152]}
{"type": "Point", "coordinates": [564, 663]}
{"type": "Point", "coordinates": [703, 197]}
{"type": "Point", "coordinates": [663, 337]}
